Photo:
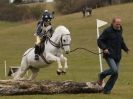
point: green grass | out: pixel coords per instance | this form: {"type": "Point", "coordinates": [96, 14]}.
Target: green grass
{"type": "Point", "coordinates": [5, 25]}
{"type": "Point", "coordinates": [15, 38]}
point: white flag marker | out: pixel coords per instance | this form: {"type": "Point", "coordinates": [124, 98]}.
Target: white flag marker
{"type": "Point", "coordinates": [100, 23]}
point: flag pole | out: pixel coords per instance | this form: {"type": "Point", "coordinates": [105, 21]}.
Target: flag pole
{"type": "Point", "coordinates": [99, 50]}
{"type": "Point", "coordinates": [100, 23]}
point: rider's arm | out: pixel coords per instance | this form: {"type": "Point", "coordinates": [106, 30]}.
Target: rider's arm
{"type": "Point", "coordinates": [39, 27]}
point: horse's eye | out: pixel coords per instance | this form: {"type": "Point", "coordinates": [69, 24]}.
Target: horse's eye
{"type": "Point", "coordinates": [64, 40]}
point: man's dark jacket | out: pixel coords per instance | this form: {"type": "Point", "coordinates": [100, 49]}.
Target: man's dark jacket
{"type": "Point", "coordinates": [112, 40]}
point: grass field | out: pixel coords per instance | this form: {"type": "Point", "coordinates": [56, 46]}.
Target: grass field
{"type": "Point", "coordinates": [15, 38]}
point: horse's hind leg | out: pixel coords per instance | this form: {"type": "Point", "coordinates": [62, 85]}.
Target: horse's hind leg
{"type": "Point", "coordinates": [34, 73]}
{"type": "Point", "coordinates": [19, 74]}
{"type": "Point", "coordinates": [22, 70]}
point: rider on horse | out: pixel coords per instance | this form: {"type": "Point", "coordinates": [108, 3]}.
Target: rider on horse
{"type": "Point", "coordinates": [44, 30]}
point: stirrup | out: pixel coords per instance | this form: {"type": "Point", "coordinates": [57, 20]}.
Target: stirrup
{"type": "Point", "coordinates": [36, 57]}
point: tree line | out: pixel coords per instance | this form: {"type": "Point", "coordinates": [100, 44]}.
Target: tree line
{"type": "Point", "coordinates": [70, 6]}
{"type": "Point", "coordinates": [13, 12]}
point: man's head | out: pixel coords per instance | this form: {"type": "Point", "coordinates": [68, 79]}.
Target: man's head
{"type": "Point", "coordinates": [116, 23]}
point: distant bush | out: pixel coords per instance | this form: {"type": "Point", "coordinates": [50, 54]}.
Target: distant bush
{"type": "Point", "coordinates": [11, 12]}
{"type": "Point", "coordinates": [36, 11]}
{"type": "Point", "coordinates": [70, 6]}
{"type": "Point", "coordinates": [17, 1]}
{"type": "Point", "coordinates": [4, 1]}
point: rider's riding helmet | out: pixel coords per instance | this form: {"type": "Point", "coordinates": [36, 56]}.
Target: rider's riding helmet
{"type": "Point", "coordinates": [47, 16]}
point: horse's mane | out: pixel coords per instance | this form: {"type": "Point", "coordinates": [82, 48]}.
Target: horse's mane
{"type": "Point", "coordinates": [61, 29]}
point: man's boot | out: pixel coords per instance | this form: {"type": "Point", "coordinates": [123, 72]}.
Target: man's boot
{"type": "Point", "coordinates": [100, 82]}
{"type": "Point", "coordinates": [36, 52]}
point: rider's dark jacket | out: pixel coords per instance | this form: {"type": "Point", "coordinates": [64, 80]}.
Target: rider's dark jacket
{"type": "Point", "coordinates": [112, 40]}
{"type": "Point", "coordinates": [40, 28]}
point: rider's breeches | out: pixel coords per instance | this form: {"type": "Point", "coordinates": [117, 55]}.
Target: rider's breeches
{"type": "Point", "coordinates": [38, 40]}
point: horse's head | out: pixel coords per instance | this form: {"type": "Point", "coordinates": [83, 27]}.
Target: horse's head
{"type": "Point", "coordinates": [65, 42]}
{"type": "Point", "coordinates": [65, 38]}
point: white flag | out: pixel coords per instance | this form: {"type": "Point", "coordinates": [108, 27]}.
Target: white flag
{"type": "Point", "coordinates": [101, 23]}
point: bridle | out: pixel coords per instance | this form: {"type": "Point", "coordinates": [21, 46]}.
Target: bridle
{"type": "Point", "coordinates": [60, 45]}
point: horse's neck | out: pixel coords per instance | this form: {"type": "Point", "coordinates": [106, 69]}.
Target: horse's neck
{"type": "Point", "coordinates": [56, 38]}
{"type": "Point", "coordinates": [49, 47]}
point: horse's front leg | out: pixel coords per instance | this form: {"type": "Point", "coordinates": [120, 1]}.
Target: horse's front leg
{"type": "Point", "coordinates": [64, 59]}
{"type": "Point", "coordinates": [51, 57]}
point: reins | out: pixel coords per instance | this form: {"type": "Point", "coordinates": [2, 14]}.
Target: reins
{"type": "Point", "coordinates": [90, 51]}
{"type": "Point", "coordinates": [60, 45]}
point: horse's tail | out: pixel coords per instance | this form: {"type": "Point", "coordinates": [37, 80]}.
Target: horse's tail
{"type": "Point", "coordinates": [28, 51]}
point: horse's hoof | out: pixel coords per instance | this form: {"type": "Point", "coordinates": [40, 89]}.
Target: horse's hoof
{"type": "Point", "coordinates": [58, 72]}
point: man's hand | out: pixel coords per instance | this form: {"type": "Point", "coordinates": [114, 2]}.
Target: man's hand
{"type": "Point", "coordinates": [106, 51]}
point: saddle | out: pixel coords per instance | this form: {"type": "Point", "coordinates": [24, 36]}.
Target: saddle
{"type": "Point", "coordinates": [42, 48]}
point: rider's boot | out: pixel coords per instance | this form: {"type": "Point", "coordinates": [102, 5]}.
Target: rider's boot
{"type": "Point", "coordinates": [36, 52]}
